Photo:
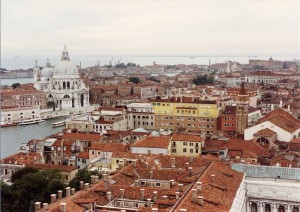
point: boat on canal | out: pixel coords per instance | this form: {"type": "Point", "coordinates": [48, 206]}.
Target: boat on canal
{"type": "Point", "coordinates": [59, 123]}
{"type": "Point", "coordinates": [31, 121]}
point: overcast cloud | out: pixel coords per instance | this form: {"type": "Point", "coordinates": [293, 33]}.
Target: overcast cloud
{"type": "Point", "coordinates": [153, 27]}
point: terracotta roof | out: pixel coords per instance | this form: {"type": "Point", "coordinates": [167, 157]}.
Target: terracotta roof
{"type": "Point", "coordinates": [153, 142]}
{"type": "Point", "coordinates": [83, 155]}
{"type": "Point", "coordinates": [61, 168]}
{"type": "Point", "coordinates": [265, 133]}
{"type": "Point", "coordinates": [109, 147]}
{"type": "Point", "coordinates": [189, 138]}
{"type": "Point", "coordinates": [22, 158]}
{"type": "Point", "coordinates": [82, 136]}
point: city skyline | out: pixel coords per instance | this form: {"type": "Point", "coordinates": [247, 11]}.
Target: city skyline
{"type": "Point", "coordinates": [150, 28]}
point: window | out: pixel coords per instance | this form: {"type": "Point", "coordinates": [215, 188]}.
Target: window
{"type": "Point", "coordinates": [93, 152]}
{"type": "Point", "coordinates": [191, 144]}
{"type": "Point", "coordinates": [281, 209]}
{"type": "Point", "coordinates": [142, 183]}
{"type": "Point", "coordinates": [174, 150]}
{"type": "Point", "coordinates": [184, 149]}
{"type": "Point", "coordinates": [157, 184]}
{"type": "Point", "coordinates": [253, 207]}
{"type": "Point", "coordinates": [191, 151]}
{"type": "Point", "coordinates": [184, 143]}
{"type": "Point", "coordinates": [295, 209]}
{"type": "Point", "coordinates": [267, 208]}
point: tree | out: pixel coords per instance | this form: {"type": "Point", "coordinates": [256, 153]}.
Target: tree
{"type": "Point", "coordinates": [22, 172]}
{"type": "Point", "coordinates": [30, 186]}
{"type": "Point", "coordinates": [15, 85]}
{"type": "Point", "coordinates": [134, 80]}
{"type": "Point", "coordinates": [203, 80]}
{"type": "Point", "coordinates": [81, 175]}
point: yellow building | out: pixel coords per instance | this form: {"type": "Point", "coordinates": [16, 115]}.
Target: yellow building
{"type": "Point", "coordinates": [188, 145]}
{"type": "Point", "coordinates": [186, 112]}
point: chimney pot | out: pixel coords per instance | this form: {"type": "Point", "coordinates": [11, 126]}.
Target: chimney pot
{"type": "Point", "coordinates": [154, 209]}
{"type": "Point", "coordinates": [68, 191]}
{"type": "Point", "coordinates": [72, 191]}
{"type": "Point", "coordinates": [53, 198]}
{"type": "Point", "coordinates": [173, 162]}
{"type": "Point", "coordinates": [120, 165]}
{"type": "Point", "coordinates": [164, 197]}
{"type": "Point", "coordinates": [134, 163]}
{"type": "Point", "coordinates": [108, 195]}
{"type": "Point", "coordinates": [190, 171]}
{"type": "Point", "coordinates": [63, 207]}
{"type": "Point", "coordinates": [37, 206]}
{"type": "Point", "coordinates": [149, 202]}
{"type": "Point", "coordinates": [92, 179]}
{"type": "Point", "coordinates": [187, 165]}
{"type": "Point", "coordinates": [96, 178]}
{"type": "Point", "coordinates": [182, 210]}
{"type": "Point", "coordinates": [59, 194]}
{"type": "Point", "coordinates": [147, 165]}
{"type": "Point", "coordinates": [172, 183]}
{"type": "Point", "coordinates": [104, 176]}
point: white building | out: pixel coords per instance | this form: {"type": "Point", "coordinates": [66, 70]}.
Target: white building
{"type": "Point", "coordinates": [63, 85]}
{"type": "Point", "coordinates": [270, 188]}
{"type": "Point", "coordinates": [140, 115]}
{"type": "Point", "coordinates": [153, 145]}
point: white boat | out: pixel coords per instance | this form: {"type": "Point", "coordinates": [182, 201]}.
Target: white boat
{"type": "Point", "coordinates": [31, 121]}
{"type": "Point", "coordinates": [58, 124]}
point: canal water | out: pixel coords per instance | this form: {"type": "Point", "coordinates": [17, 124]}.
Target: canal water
{"type": "Point", "coordinates": [12, 137]}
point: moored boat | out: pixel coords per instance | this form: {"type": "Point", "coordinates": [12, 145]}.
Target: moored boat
{"type": "Point", "coordinates": [31, 121]}
{"type": "Point", "coordinates": [58, 124]}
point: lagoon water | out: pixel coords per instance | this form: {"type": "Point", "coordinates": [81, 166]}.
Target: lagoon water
{"type": "Point", "coordinates": [12, 137]}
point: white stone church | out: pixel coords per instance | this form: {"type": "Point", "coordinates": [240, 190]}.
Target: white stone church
{"type": "Point", "coordinates": [62, 84]}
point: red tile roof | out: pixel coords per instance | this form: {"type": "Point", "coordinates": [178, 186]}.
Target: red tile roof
{"type": "Point", "coordinates": [83, 155]}
{"type": "Point", "coordinates": [153, 142]}
{"type": "Point", "coordinates": [82, 136]}
{"type": "Point", "coordinates": [188, 138]}
{"type": "Point", "coordinates": [22, 158]}
{"type": "Point", "coordinates": [265, 133]}
{"type": "Point", "coordinates": [61, 168]}
{"type": "Point", "coordinates": [109, 147]}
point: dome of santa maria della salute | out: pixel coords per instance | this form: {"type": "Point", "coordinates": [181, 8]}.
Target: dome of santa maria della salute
{"type": "Point", "coordinates": [65, 66]}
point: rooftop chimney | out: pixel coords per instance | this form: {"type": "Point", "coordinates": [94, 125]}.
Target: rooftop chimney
{"type": "Point", "coordinates": [96, 178]}
{"type": "Point", "coordinates": [173, 162]}
{"type": "Point", "coordinates": [108, 195]}
{"type": "Point", "coordinates": [154, 196]}
{"type": "Point", "coordinates": [177, 194]}
{"type": "Point", "coordinates": [154, 209]}
{"type": "Point", "coordinates": [190, 171]}
{"type": "Point", "coordinates": [213, 178]}
{"type": "Point", "coordinates": [53, 198]}
{"type": "Point", "coordinates": [45, 206]}
{"type": "Point", "coordinates": [63, 207]}
{"type": "Point", "coordinates": [149, 202]}
{"type": "Point", "coordinates": [187, 165]}
{"type": "Point", "coordinates": [134, 163]}
{"type": "Point", "coordinates": [120, 165]}
{"type": "Point", "coordinates": [164, 197]}
{"type": "Point", "coordinates": [142, 192]}
{"type": "Point", "coordinates": [200, 200]}
{"type": "Point", "coordinates": [122, 191]}
{"type": "Point", "coordinates": [104, 176]}
{"type": "Point", "coordinates": [147, 165]}
{"type": "Point", "coordinates": [199, 186]}
{"type": "Point", "coordinates": [151, 174]}
{"type": "Point", "coordinates": [172, 182]}
{"type": "Point", "coordinates": [68, 191]}
{"type": "Point", "coordinates": [92, 179]}
{"type": "Point", "coordinates": [81, 185]}
{"type": "Point", "coordinates": [194, 195]}
{"type": "Point", "coordinates": [182, 210]}
{"type": "Point", "coordinates": [180, 187]}
{"type": "Point", "coordinates": [37, 206]}
{"type": "Point", "coordinates": [59, 194]}
{"type": "Point", "coordinates": [86, 186]}
{"type": "Point", "coordinates": [72, 191]}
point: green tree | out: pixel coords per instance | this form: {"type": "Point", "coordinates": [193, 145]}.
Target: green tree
{"type": "Point", "coordinates": [134, 80]}
{"type": "Point", "coordinates": [22, 172]}
{"type": "Point", "coordinates": [203, 80]}
{"type": "Point", "coordinates": [81, 175]}
{"type": "Point", "coordinates": [15, 85]}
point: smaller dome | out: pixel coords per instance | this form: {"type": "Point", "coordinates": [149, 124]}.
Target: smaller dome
{"type": "Point", "coordinates": [47, 72]}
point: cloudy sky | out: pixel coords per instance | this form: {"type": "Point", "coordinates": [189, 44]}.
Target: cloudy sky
{"type": "Point", "coordinates": [153, 27]}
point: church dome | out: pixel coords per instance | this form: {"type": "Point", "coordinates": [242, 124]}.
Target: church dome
{"type": "Point", "coordinates": [47, 72]}
{"type": "Point", "coordinates": [65, 66]}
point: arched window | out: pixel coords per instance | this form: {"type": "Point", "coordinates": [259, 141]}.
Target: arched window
{"type": "Point", "coordinates": [50, 96]}
{"type": "Point", "coordinates": [66, 96]}
{"type": "Point", "coordinates": [281, 209]}
{"type": "Point", "coordinates": [64, 85]}
{"type": "Point", "coordinates": [21, 114]}
{"type": "Point", "coordinates": [68, 85]}
{"type": "Point", "coordinates": [8, 114]}
{"type": "Point", "coordinates": [253, 207]}
{"type": "Point", "coordinates": [295, 209]}
{"type": "Point", "coordinates": [33, 112]}
{"type": "Point", "coordinates": [267, 208]}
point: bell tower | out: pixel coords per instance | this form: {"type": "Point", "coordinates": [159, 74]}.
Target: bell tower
{"type": "Point", "coordinates": [242, 111]}
{"type": "Point", "coordinates": [65, 54]}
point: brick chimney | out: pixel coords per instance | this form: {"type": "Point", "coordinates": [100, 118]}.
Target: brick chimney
{"type": "Point", "coordinates": [173, 162]}
{"type": "Point", "coordinates": [59, 194]}
{"type": "Point", "coordinates": [68, 191]}
{"type": "Point", "coordinates": [63, 207]}
{"type": "Point", "coordinates": [199, 186]}
{"type": "Point", "coordinates": [194, 195]}
{"type": "Point", "coordinates": [122, 192]}
{"type": "Point", "coordinates": [108, 195]}
{"type": "Point", "coordinates": [142, 192]}
{"type": "Point", "coordinates": [37, 206]}
{"type": "Point", "coordinates": [53, 197]}
{"type": "Point", "coordinates": [154, 196]}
